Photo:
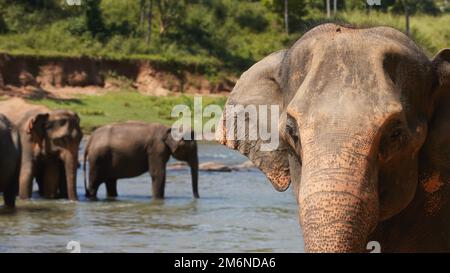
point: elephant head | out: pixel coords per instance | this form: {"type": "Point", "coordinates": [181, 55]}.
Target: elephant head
{"type": "Point", "coordinates": [359, 108]}
{"type": "Point", "coordinates": [185, 149]}
{"type": "Point", "coordinates": [58, 135]}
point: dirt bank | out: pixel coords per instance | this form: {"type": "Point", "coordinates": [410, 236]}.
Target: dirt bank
{"type": "Point", "coordinates": [64, 76]}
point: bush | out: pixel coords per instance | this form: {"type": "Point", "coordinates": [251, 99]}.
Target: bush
{"type": "Point", "coordinates": [212, 37]}
{"type": "Point", "coordinates": [251, 15]}
{"type": "Point", "coordinates": [3, 26]}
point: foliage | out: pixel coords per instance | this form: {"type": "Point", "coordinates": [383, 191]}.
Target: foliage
{"type": "Point", "coordinates": [296, 11]}
{"type": "Point", "coordinates": [207, 36]}
{"type": "Point", "coordinates": [3, 26]}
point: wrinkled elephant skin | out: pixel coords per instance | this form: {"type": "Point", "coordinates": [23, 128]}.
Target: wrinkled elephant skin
{"type": "Point", "coordinates": [10, 152]}
{"type": "Point", "coordinates": [129, 149]}
{"type": "Point", "coordinates": [49, 142]}
{"type": "Point", "coordinates": [364, 130]}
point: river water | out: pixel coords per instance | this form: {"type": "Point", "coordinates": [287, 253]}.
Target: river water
{"type": "Point", "coordinates": [237, 212]}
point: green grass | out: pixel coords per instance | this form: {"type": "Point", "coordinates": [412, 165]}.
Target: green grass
{"type": "Point", "coordinates": [98, 110]}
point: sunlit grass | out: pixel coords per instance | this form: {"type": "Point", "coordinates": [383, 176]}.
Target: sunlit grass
{"type": "Point", "coordinates": [432, 33]}
{"type": "Point", "coordinates": [98, 110]}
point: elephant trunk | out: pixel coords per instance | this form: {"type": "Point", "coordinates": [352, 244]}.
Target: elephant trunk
{"type": "Point", "coordinates": [87, 193]}
{"type": "Point", "coordinates": [338, 201]}
{"type": "Point", "coordinates": [70, 159]}
{"type": "Point", "coordinates": [194, 173]}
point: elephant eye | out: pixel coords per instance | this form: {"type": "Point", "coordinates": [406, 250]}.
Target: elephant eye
{"type": "Point", "coordinates": [291, 128]}
{"type": "Point", "coordinates": [292, 135]}
{"type": "Point", "coordinates": [62, 122]}
{"type": "Point", "coordinates": [393, 141]}
{"type": "Point", "coordinates": [61, 141]}
{"type": "Point", "coordinates": [397, 135]}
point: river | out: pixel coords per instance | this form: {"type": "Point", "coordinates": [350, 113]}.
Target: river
{"type": "Point", "coordinates": [237, 212]}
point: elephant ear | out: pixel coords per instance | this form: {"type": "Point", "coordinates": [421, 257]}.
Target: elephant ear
{"type": "Point", "coordinates": [435, 154]}
{"type": "Point", "coordinates": [77, 118]}
{"type": "Point", "coordinates": [36, 127]}
{"type": "Point", "coordinates": [174, 142]}
{"type": "Point", "coordinates": [258, 87]}
{"type": "Point", "coordinates": [171, 142]}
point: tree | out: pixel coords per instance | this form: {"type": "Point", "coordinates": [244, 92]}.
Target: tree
{"type": "Point", "coordinates": [414, 6]}
{"type": "Point", "coordinates": [94, 19]}
{"type": "Point", "coordinates": [291, 11]}
{"type": "Point", "coordinates": [443, 5]}
{"type": "Point", "coordinates": [38, 4]}
{"type": "Point", "coordinates": [169, 13]}
{"type": "Point", "coordinates": [286, 16]}
{"type": "Point", "coordinates": [142, 8]}
{"type": "Point", "coordinates": [328, 9]}
{"type": "Point", "coordinates": [410, 7]}
{"type": "Point", "coordinates": [406, 5]}
{"type": "Point", "coordinates": [335, 8]}
{"type": "Point", "coordinates": [146, 16]}
{"type": "Point", "coordinates": [3, 25]}
{"type": "Point", "coordinates": [149, 20]}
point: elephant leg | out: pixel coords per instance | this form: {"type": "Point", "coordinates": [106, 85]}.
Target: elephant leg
{"type": "Point", "coordinates": [62, 185]}
{"type": "Point", "coordinates": [39, 176]}
{"type": "Point", "coordinates": [51, 179]}
{"type": "Point", "coordinates": [94, 182]}
{"type": "Point", "coordinates": [111, 187]}
{"type": "Point", "coordinates": [26, 180]}
{"type": "Point", "coordinates": [9, 195]}
{"type": "Point", "coordinates": [158, 174]}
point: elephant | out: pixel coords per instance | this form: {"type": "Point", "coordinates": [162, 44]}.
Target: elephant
{"type": "Point", "coordinates": [363, 124]}
{"type": "Point", "coordinates": [50, 141]}
{"type": "Point", "coordinates": [131, 148]}
{"type": "Point", "coordinates": [10, 154]}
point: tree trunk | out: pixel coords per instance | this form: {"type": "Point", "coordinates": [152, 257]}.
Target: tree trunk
{"type": "Point", "coordinates": [328, 9]}
{"type": "Point", "coordinates": [142, 6]}
{"type": "Point", "coordinates": [407, 21]}
{"type": "Point", "coordinates": [149, 21]}
{"type": "Point", "coordinates": [335, 8]}
{"type": "Point", "coordinates": [162, 23]}
{"type": "Point", "coordinates": [286, 16]}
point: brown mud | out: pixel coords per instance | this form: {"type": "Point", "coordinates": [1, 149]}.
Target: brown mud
{"type": "Point", "coordinates": [62, 77]}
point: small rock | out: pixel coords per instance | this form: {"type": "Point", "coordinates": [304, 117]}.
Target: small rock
{"type": "Point", "coordinates": [244, 166]}
{"type": "Point", "coordinates": [214, 167]}
{"type": "Point", "coordinates": [177, 165]}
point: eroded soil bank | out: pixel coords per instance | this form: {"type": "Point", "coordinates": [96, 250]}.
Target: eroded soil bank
{"type": "Point", "coordinates": [36, 76]}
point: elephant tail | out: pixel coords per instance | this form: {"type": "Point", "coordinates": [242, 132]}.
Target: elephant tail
{"type": "Point", "coordinates": [86, 153]}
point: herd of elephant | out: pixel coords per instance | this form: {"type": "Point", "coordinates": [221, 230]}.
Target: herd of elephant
{"type": "Point", "coordinates": [43, 145]}
{"type": "Point", "coordinates": [364, 139]}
